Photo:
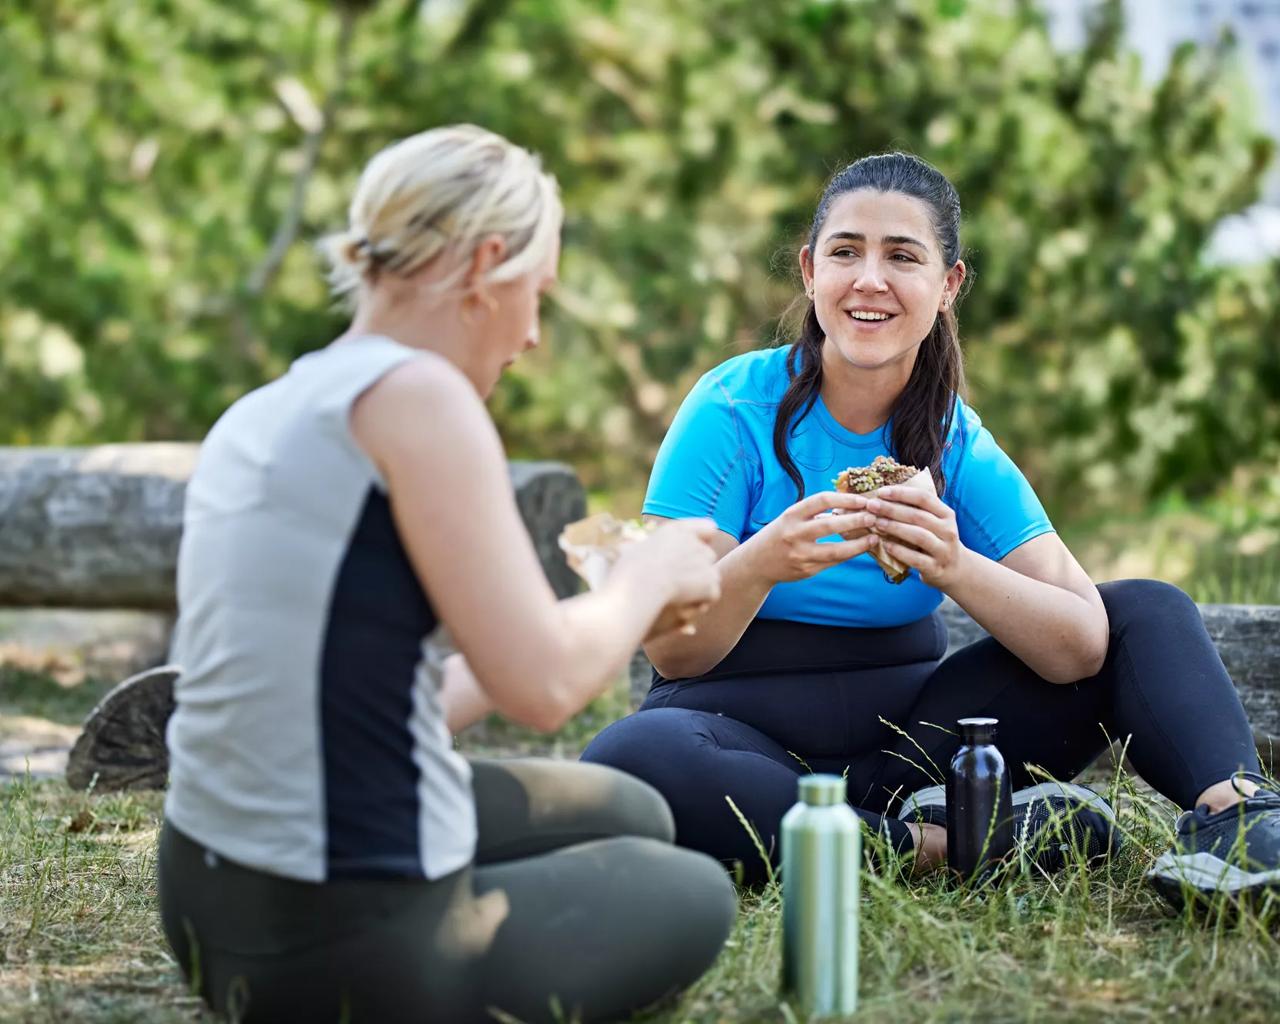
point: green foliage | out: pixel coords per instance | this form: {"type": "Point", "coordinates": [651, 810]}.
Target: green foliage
{"type": "Point", "coordinates": [30, 691]}
{"type": "Point", "coordinates": [150, 273]}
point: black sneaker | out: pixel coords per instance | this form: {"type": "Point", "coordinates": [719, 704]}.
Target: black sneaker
{"type": "Point", "coordinates": [1236, 851]}
{"type": "Point", "coordinates": [1052, 821]}
{"type": "Point", "coordinates": [1058, 821]}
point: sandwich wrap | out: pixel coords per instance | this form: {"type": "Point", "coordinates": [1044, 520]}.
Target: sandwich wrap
{"type": "Point", "coordinates": [883, 472]}
{"type": "Point", "coordinates": [591, 546]}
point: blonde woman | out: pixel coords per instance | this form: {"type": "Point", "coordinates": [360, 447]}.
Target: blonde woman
{"type": "Point", "coordinates": [326, 853]}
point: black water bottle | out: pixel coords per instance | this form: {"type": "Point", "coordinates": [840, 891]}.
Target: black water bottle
{"type": "Point", "coordinates": [979, 802]}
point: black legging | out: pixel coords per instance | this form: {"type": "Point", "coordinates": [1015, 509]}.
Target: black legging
{"type": "Point", "coordinates": [793, 697]}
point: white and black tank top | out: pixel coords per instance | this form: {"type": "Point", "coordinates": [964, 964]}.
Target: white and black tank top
{"type": "Point", "coordinates": [308, 739]}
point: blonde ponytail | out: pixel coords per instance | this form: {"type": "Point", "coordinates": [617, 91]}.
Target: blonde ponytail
{"type": "Point", "coordinates": [435, 195]}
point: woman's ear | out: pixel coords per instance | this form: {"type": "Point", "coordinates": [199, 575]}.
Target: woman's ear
{"type": "Point", "coordinates": [806, 270]}
{"type": "Point", "coordinates": [951, 286]}
{"type": "Point", "coordinates": [487, 256]}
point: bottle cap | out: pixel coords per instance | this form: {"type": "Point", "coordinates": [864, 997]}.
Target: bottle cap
{"type": "Point", "coordinates": [822, 790]}
{"type": "Point", "coordinates": [977, 730]}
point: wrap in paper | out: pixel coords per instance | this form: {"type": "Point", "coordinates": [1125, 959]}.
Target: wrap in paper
{"type": "Point", "coordinates": [592, 545]}
{"type": "Point", "coordinates": [895, 571]}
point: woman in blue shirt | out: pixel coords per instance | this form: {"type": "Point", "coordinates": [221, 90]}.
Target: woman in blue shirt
{"type": "Point", "coordinates": [814, 660]}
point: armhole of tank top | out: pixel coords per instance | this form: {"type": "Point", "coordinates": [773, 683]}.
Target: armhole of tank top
{"type": "Point", "coordinates": [338, 413]}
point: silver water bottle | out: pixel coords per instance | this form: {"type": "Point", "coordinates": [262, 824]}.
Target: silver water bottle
{"type": "Point", "coordinates": [821, 859]}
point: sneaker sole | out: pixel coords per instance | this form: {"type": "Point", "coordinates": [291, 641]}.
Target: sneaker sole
{"type": "Point", "coordinates": [1173, 874]}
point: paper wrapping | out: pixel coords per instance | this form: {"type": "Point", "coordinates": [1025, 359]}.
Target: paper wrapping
{"type": "Point", "coordinates": [894, 570]}
{"type": "Point", "coordinates": [591, 546]}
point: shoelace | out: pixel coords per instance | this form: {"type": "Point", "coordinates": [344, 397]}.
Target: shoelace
{"type": "Point", "coordinates": [1268, 791]}
{"type": "Point", "coordinates": [1267, 797]}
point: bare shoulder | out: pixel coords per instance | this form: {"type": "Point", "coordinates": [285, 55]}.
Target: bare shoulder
{"type": "Point", "coordinates": [424, 404]}
{"type": "Point", "coordinates": [425, 378]}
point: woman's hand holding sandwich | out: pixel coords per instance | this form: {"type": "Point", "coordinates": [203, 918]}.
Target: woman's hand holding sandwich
{"type": "Point", "coordinates": [919, 530]}
{"type": "Point", "coordinates": [676, 557]}
{"type": "Point", "coordinates": [788, 548]}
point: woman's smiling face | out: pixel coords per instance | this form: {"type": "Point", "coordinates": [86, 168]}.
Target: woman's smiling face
{"type": "Point", "coordinates": [877, 278]}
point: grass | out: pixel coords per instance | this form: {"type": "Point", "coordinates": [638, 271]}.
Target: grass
{"type": "Point", "coordinates": [80, 938]}
{"type": "Point", "coordinates": [39, 694]}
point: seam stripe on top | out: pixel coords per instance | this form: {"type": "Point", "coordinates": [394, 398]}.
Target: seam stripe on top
{"type": "Point", "coordinates": [369, 663]}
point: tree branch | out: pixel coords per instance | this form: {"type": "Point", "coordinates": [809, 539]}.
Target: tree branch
{"type": "Point", "coordinates": [287, 231]}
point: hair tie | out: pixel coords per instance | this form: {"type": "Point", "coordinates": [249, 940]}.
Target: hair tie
{"type": "Point", "coordinates": [376, 254]}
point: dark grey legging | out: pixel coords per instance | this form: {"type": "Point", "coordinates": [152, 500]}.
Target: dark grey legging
{"type": "Point", "coordinates": [577, 899]}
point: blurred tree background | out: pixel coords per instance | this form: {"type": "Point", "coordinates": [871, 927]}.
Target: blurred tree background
{"type": "Point", "coordinates": [169, 163]}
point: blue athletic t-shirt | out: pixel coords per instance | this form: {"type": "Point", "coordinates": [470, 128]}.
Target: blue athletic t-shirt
{"type": "Point", "coordinates": [717, 461]}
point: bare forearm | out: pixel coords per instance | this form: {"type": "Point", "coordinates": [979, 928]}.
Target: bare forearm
{"type": "Point", "coordinates": [542, 660]}
{"type": "Point", "coordinates": [743, 591]}
{"type": "Point", "coordinates": [1057, 633]}
{"type": "Point", "coordinates": [606, 628]}
{"type": "Point", "coordinates": [595, 636]}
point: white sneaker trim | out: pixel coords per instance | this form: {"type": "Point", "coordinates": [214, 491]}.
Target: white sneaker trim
{"type": "Point", "coordinates": [1068, 791]}
{"type": "Point", "coordinates": [936, 796]}
{"type": "Point", "coordinates": [930, 796]}
{"type": "Point", "coordinates": [1209, 873]}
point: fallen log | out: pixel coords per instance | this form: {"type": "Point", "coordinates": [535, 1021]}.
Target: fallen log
{"type": "Point", "coordinates": [122, 745]}
{"type": "Point", "coordinates": [91, 527]}
{"type": "Point", "coordinates": [123, 741]}
{"type": "Point", "coordinates": [99, 527]}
